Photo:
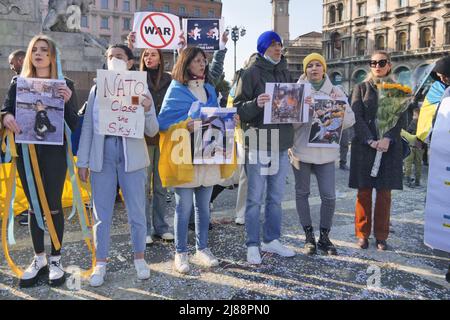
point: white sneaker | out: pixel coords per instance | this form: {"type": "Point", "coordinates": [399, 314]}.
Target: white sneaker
{"type": "Point", "coordinates": [142, 269]}
{"type": "Point", "coordinates": [182, 262]}
{"type": "Point", "coordinates": [148, 240]}
{"type": "Point", "coordinates": [253, 255]}
{"type": "Point", "coordinates": [240, 221]}
{"type": "Point", "coordinates": [167, 236]}
{"type": "Point", "coordinates": [36, 269]}
{"type": "Point", "coordinates": [276, 247]}
{"type": "Point", "coordinates": [98, 275]}
{"type": "Point", "coordinates": [206, 258]}
{"type": "Point", "coordinates": [57, 276]}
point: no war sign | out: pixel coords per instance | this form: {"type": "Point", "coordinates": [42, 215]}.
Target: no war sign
{"type": "Point", "coordinates": [157, 30]}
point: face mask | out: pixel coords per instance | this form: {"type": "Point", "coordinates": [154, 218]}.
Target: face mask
{"type": "Point", "coordinates": [117, 65]}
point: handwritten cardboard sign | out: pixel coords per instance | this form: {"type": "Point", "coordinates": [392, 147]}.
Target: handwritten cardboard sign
{"type": "Point", "coordinates": [119, 95]}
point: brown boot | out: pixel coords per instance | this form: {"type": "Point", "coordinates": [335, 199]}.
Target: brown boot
{"type": "Point", "coordinates": [363, 243]}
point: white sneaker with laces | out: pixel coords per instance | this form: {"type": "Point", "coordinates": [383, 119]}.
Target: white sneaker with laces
{"type": "Point", "coordinates": [57, 276]}
{"type": "Point", "coordinates": [36, 269]}
{"type": "Point", "coordinates": [206, 258]}
{"type": "Point", "coordinates": [182, 262]}
{"type": "Point", "coordinates": [253, 255]}
{"type": "Point", "coordinates": [240, 221]}
{"type": "Point", "coordinates": [167, 236]}
{"type": "Point", "coordinates": [148, 240]}
{"type": "Point", "coordinates": [276, 247]}
{"type": "Point", "coordinates": [98, 275]}
{"type": "Point", "coordinates": [142, 269]}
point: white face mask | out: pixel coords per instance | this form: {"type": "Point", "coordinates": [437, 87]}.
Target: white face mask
{"type": "Point", "coordinates": [115, 64]}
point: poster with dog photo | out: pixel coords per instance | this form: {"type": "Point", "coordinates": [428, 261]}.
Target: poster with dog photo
{"type": "Point", "coordinates": [214, 142]}
{"type": "Point", "coordinates": [287, 103]}
{"type": "Point", "coordinates": [204, 33]}
{"type": "Point", "coordinates": [39, 111]}
{"type": "Point", "coordinates": [327, 122]}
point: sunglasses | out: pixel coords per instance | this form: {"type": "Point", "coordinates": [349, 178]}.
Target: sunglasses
{"type": "Point", "coordinates": [381, 63]}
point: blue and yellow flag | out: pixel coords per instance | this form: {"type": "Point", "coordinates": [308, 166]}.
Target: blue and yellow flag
{"type": "Point", "coordinates": [428, 110]}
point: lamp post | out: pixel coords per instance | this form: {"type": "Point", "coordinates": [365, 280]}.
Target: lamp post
{"type": "Point", "coordinates": [236, 33]}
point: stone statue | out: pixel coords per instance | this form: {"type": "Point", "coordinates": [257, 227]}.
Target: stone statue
{"type": "Point", "coordinates": [65, 15]}
{"type": "Point", "coordinates": [21, 7]}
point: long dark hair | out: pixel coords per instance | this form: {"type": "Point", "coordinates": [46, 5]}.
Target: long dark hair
{"type": "Point", "coordinates": [143, 67]}
{"type": "Point", "coordinates": [180, 71]}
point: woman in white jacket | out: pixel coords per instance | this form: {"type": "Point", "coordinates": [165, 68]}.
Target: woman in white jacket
{"type": "Point", "coordinates": [112, 160]}
{"type": "Point", "coordinates": [320, 161]}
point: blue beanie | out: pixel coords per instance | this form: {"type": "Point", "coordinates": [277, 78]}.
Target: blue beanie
{"type": "Point", "coordinates": [265, 41]}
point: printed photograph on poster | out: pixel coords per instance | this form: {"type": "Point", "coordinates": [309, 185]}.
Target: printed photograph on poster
{"type": "Point", "coordinates": [119, 96]}
{"type": "Point", "coordinates": [327, 120]}
{"type": "Point", "coordinates": [286, 103]}
{"type": "Point", "coordinates": [157, 30]}
{"type": "Point", "coordinates": [203, 33]}
{"type": "Point", "coordinates": [39, 111]}
{"type": "Point", "coordinates": [215, 144]}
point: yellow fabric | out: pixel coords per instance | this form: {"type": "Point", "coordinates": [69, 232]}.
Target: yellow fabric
{"type": "Point", "coordinates": [425, 122]}
{"type": "Point", "coordinates": [312, 57]}
{"type": "Point", "coordinates": [408, 136]}
{"type": "Point", "coordinates": [5, 209]}
{"type": "Point", "coordinates": [172, 174]}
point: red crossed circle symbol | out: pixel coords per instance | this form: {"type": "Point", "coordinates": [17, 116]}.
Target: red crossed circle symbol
{"type": "Point", "coordinates": [150, 18]}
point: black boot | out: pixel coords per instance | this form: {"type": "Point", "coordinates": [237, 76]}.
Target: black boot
{"type": "Point", "coordinates": [324, 242]}
{"type": "Point", "coordinates": [409, 182]}
{"type": "Point", "coordinates": [310, 242]}
{"type": "Point", "coordinates": [447, 276]}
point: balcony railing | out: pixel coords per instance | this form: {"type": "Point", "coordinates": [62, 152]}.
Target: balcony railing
{"type": "Point", "coordinates": [427, 6]}
{"type": "Point", "coordinates": [403, 11]}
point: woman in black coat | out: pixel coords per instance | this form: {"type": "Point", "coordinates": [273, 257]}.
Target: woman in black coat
{"type": "Point", "coordinates": [365, 145]}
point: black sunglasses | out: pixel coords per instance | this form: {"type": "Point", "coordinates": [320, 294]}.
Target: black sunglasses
{"type": "Point", "coordinates": [381, 63]}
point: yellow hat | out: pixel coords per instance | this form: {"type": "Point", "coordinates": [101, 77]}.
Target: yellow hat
{"type": "Point", "coordinates": [312, 57]}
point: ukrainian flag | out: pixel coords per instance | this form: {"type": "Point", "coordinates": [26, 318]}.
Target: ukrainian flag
{"type": "Point", "coordinates": [428, 110]}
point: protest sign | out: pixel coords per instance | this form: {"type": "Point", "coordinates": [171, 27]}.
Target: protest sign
{"type": "Point", "coordinates": [119, 96]}
{"type": "Point", "coordinates": [203, 33]}
{"type": "Point", "coordinates": [157, 30]}
{"type": "Point", "coordinates": [39, 111]}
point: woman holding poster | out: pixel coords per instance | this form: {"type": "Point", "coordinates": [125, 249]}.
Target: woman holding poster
{"type": "Point", "coordinates": [317, 160]}
{"type": "Point", "coordinates": [116, 160]}
{"type": "Point", "coordinates": [188, 93]}
{"type": "Point", "coordinates": [366, 104]}
{"type": "Point", "coordinates": [42, 61]}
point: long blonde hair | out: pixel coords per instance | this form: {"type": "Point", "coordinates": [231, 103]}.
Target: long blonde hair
{"type": "Point", "coordinates": [28, 70]}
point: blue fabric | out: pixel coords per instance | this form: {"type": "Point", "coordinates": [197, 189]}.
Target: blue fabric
{"type": "Point", "coordinates": [178, 101]}
{"type": "Point", "coordinates": [265, 41]}
{"type": "Point", "coordinates": [435, 93]}
{"type": "Point", "coordinates": [75, 137]}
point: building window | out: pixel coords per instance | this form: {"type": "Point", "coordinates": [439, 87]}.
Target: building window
{"type": "Point", "coordinates": [196, 12]}
{"type": "Point", "coordinates": [403, 75]}
{"type": "Point", "coordinates": [340, 12]}
{"type": "Point", "coordinates": [402, 40]}
{"type": "Point", "coordinates": [361, 47]}
{"type": "Point", "coordinates": [84, 21]}
{"type": "Point", "coordinates": [166, 8]}
{"type": "Point", "coordinates": [361, 9]}
{"type": "Point", "coordinates": [104, 4]}
{"type": "Point", "coordinates": [380, 43]}
{"type": "Point", "coordinates": [332, 14]}
{"type": "Point", "coordinates": [447, 33]}
{"type": "Point", "coordinates": [381, 5]}
{"type": "Point", "coordinates": [402, 3]}
{"type": "Point", "coordinates": [211, 13]}
{"type": "Point", "coordinates": [360, 76]}
{"type": "Point", "coordinates": [182, 10]}
{"type": "Point", "coordinates": [126, 24]}
{"type": "Point", "coordinates": [425, 38]}
{"type": "Point", "coordinates": [150, 6]}
{"type": "Point", "coordinates": [336, 46]}
{"type": "Point", "coordinates": [126, 6]}
{"type": "Point", "coordinates": [104, 23]}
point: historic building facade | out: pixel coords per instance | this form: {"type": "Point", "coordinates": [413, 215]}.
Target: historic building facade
{"type": "Point", "coordinates": [415, 32]}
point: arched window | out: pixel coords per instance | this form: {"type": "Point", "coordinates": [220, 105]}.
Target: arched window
{"type": "Point", "coordinates": [361, 47]}
{"type": "Point", "coordinates": [425, 38]}
{"type": "Point", "coordinates": [402, 40]}
{"type": "Point", "coordinates": [447, 33]}
{"type": "Point", "coordinates": [336, 45]}
{"type": "Point", "coordinates": [332, 14]}
{"type": "Point", "coordinates": [340, 11]}
{"type": "Point", "coordinates": [403, 75]}
{"type": "Point", "coordinates": [336, 78]}
{"type": "Point", "coordinates": [359, 76]}
{"type": "Point", "coordinates": [380, 43]}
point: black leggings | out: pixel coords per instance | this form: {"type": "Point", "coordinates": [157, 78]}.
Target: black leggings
{"type": "Point", "coordinates": [53, 168]}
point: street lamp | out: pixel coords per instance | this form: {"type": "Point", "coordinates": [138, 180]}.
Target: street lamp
{"type": "Point", "coordinates": [236, 33]}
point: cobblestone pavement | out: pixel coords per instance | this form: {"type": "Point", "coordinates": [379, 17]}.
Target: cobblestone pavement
{"type": "Point", "coordinates": [409, 270]}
